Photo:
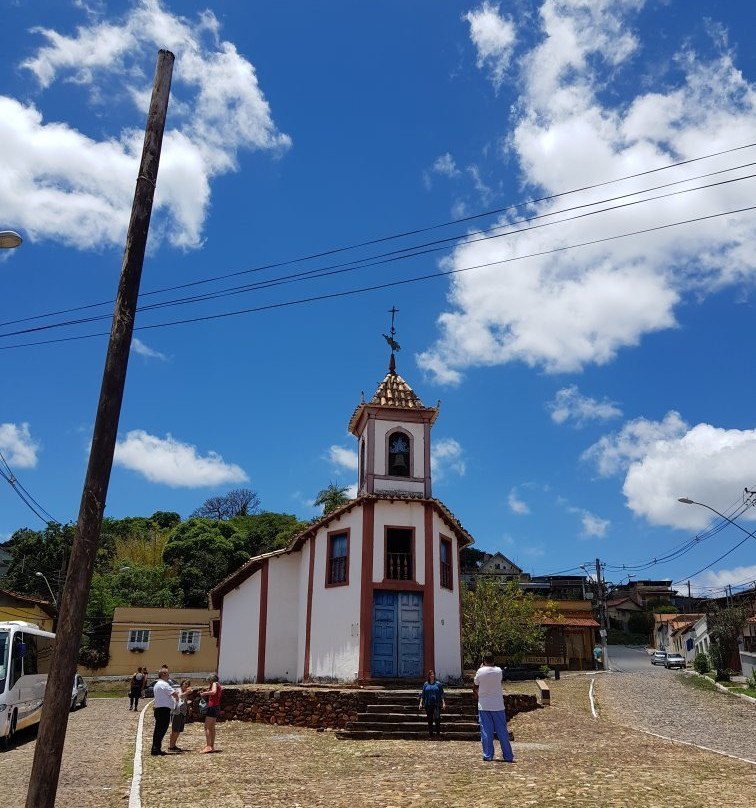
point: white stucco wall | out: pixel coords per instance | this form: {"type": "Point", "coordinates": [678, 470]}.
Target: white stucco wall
{"type": "Point", "coordinates": [447, 638]}
{"type": "Point", "coordinates": [335, 632]}
{"type": "Point", "coordinates": [282, 629]}
{"type": "Point", "coordinates": [238, 643]}
{"type": "Point", "coordinates": [398, 514]}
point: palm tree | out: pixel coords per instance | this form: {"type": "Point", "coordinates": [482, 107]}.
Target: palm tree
{"type": "Point", "coordinates": [332, 497]}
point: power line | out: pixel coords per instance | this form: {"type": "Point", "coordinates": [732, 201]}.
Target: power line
{"type": "Point", "coordinates": [498, 231]}
{"type": "Point", "coordinates": [7, 474]}
{"type": "Point", "coordinates": [389, 284]}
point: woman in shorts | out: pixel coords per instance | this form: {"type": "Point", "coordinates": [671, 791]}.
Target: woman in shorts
{"type": "Point", "coordinates": [178, 715]}
{"type": "Point", "coordinates": [213, 696]}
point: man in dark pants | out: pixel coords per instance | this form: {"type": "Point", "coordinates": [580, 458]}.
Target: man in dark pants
{"type": "Point", "coordinates": [164, 698]}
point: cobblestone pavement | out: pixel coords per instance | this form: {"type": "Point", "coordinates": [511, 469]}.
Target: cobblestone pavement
{"type": "Point", "coordinates": [662, 702]}
{"type": "Point", "coordinates": [97, 758]}
{"type": "Point", "coordinates": [564, 757]}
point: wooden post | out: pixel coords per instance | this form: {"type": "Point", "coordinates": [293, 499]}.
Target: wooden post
{"type": "Point", "coordinates": [48, 752]}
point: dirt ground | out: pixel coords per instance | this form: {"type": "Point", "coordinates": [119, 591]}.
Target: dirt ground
{"type": "Point", "coordinates": [564, 757]}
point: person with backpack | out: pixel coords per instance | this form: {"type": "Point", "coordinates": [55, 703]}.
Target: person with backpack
{"type": "Point", "coordinates": [136, 688]}
{"type": "Point", "coordinates": [432, 698]}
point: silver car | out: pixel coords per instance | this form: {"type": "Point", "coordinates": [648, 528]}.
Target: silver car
{"type": "Point", "coordinates": [658, 657]}
{"type": "Point", "coordinates": [674, 661]}
{"type": "Point", "coordinates": [79, 692]}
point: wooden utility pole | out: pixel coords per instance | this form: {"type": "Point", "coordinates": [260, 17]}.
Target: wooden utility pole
{"type": "Point", "coordinates": [43, 783]}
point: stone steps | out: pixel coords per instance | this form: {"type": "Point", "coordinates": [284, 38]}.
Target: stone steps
{"type": "Point", "coordinates": [394, 715]}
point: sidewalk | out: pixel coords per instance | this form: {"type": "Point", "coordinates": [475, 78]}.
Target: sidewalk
{"type": "Point", "coordinates": [564, 757]}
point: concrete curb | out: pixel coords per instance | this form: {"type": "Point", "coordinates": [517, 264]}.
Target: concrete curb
{"type": "Point", "coordinates": [135, 800]}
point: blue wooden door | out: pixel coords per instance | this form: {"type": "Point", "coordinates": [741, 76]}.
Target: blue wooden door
{"type": "Point", "coordinates": [397, 634]}
{"type": "Point", "coordinates": [410, 634]}
{"type": "Point", "coordinates": [384, 634]}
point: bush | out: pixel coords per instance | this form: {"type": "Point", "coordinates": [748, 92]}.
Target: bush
{"type": "Point", "coordinates": [701, 663]}
{"type": "Point", "coordinates": [93, 657]}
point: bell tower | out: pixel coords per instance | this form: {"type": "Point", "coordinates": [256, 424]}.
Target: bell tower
{"type": "Point", "coordinates": [393, 435]}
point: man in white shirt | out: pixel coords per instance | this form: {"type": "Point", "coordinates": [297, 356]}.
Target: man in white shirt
{"type": "Point", "coordinates": [164, 695]}
{"type": "Point", "coordinates": [491, 714]}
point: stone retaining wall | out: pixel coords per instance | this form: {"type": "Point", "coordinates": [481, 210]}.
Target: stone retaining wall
{"type": "Point", "coordinates": [317, 708]}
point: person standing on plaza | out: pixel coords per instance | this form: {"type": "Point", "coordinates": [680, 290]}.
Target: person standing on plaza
{"type": "Point", "coordinates": [213, 696]}
{"type": "Point", "coordinates": [432, 698]}
{"type": "Point", "coordinates": [491, 713]}
{"type": "Point", "coordinates": [136, 688]}
{"type": "Point", "coordinates": [178, 715]}
{"type": "Point", "coordinates": [165, 696]}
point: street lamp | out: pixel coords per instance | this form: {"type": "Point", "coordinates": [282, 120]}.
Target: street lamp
{"type": "Point", "coordinates": [52, 595]}
{"type": "Point", "coordinates": [9, 239]}
{"type": "Point", "coordinates": [687, 501]}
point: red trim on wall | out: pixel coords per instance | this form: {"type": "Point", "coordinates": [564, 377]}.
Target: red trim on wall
{"type": "Point", "coordinates": [366, 590]}
{"type": "Point", "coordinates": [218, 640]}
{"type": "Point", "coordinates": [308, 623]}
{"type": "Point", "coordinates": [263, 626]}
{"type": "Point", "coordinates": [429, 624]}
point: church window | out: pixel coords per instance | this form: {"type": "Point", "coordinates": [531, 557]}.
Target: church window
{"type": "Point", "coordinates": [445, 556]}
{"type": "Point", "coordinates": [338, 559]}
{"type": "Point", "coordinates": [399, 555]}
{"type": "Point", "coordinates": [399, 455]}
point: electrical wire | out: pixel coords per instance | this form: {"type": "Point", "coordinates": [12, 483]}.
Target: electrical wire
{"type": "Point", "coordinates": [7, 474]}
{"type": "Point", "coordinates": [499, 231]}
{"type": "Point", "coordinates": [391, 284]}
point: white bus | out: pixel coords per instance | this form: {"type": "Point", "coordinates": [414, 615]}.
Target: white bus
{"type": "Point", "coordinates": [25, 656]}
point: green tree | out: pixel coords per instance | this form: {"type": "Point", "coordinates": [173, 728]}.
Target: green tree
{"type": "Point", "coordinates": [332, 497]}
{"type": "Point", "coordinates": [202, 553]}
{"type": "Point", "coordinates": [165, 519]}
{"type": "Point", "coordinates": [725, 626]}
{"type": "Point", "coordinates": [500, 619]}
{"type": "Point", "coordinates": [265, 532]}
{"type": "Point", "coordinates": [239, 502]}
{"type": "Point", "coordinates": [46, 551]}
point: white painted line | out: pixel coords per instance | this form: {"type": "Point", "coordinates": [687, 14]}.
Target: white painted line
{"type": "Point", "coordinates": [135, 800]}
{"type": "Point", "coordinates": [698, 746]}
{"type": "Point", "coordinates": [590, 697]}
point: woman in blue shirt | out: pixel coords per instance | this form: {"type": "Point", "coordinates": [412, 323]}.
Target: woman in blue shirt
{"type": "Point", "coordinates": [432, 698]}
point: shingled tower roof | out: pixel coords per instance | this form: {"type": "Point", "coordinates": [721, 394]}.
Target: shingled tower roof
{"type": "Point", "coordinates": [393, 392]}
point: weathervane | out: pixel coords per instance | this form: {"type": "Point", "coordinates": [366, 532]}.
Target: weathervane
{"type": "Point", "coordinates": [391, 341]}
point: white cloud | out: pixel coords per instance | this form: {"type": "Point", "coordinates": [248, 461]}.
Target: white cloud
{"type": "Point", "coordinates": [569, 404]}
{"type": "Point", "coordinates": [517, 505]}
{"type": "Point", "coordinates": [446, 456]}
{"type": "Point", "coordinates": [593, 526]}
{"type": "Point", "coordinates": [663, 461]}
{"type": "Point", "coordinates": [445, 165]}
{"type": "Point", "coordinates": [719, 579]}
{"type": "Point", "coordinates": [494, 38]}
{"type": "Point", "coordinates": [18, 446]}
{"type": "Point", "coordinates": [78, 188]}
{"type": "Point", "coordinates": [144, 350]}
{"type": "Point", "coordinates": [565, 309]}
{"type": "Point", "coordinates": [346, 458]}
{"type": "Point", "coordinates": [167, 461]}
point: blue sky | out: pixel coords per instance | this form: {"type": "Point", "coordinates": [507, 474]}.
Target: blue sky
{"type": "Point", "coordinates": [589, 338]}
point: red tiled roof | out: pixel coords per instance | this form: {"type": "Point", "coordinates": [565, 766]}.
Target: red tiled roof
{"type": "Point", "coordinates": [393, 392]}
{"type": "Point", "coordinates": [570, 622]}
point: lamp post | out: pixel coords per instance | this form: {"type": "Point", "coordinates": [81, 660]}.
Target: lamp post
{"type": "Point", "coordinates": [687, 501]}
{"type": "Point", "coordinates": [9, 239]}
{"type": "Point", "coordinates": [52, 594]}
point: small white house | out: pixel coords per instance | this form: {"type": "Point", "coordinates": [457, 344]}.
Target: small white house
{"type": "Point", "coordinates": [369, 591]}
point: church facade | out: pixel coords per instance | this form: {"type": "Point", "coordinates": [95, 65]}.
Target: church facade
{"type": "Point", "coordinates": [370, 591]}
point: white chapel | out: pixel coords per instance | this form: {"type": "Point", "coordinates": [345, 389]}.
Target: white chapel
{"type": "Point", "coordinates": [370, 591]}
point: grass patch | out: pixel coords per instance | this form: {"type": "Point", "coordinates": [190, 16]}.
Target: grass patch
{"type": "Point", "coordinates": [745, 691]}
{"type": "Point", "coordinates": [701, 682]}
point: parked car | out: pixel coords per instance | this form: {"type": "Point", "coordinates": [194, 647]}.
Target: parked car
{"type": "Point", "coordinates": [674, 661]}
{"type": "Point", "coordinates": [658, 657]}
{"type": "Point", "coordinates": [79, 692]}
